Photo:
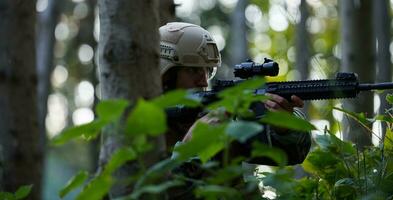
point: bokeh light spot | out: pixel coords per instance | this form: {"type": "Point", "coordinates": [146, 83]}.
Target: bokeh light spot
{"type": "Point", "coordinates": [59, 76]}
{"type": "Point", "coordinates": [84, 94]}
{"type": "Point", "coordinates": [82, 116]}
{"type": "Point", "coordinates": [85, 53]}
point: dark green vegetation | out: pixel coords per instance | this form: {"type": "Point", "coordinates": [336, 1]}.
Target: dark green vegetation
{"type": "Point", "coordinates": [335, 169]}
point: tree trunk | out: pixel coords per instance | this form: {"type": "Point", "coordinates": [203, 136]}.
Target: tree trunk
{"type": "Point", "coordinates": [128, 65]}
{"type": "Point", "coordinates": [303, 46]}
{"type": "Point", "coordinates": [239, 43]}
{"type": "Point", "coordinates": [86, 36]}
{"type": "Point", "coordinates": [45, 42]}
{"type": "Point", "coordinates": [47, 21]}
{"type": "Point", "coordinates": [358, 55]}
{"type": "Point", "coordinates": [382, 21]}
{"type": "Point", "coordinates": [167, 11]}
{"type": "Point", "coordinates": [21, 146]}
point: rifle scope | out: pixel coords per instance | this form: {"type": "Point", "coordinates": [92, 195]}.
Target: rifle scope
{"type": "Point", "coordinates": [250, 68]}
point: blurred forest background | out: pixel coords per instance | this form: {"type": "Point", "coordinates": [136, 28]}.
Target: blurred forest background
{"type": "Point", "coordinates": [310, 39]}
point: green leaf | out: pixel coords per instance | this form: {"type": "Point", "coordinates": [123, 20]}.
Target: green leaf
{"type": "Point", "coordinates": [287, 120]}
{"type": "Point", "coordinates": [100, 185]}
{"type": "Point", "coordinates": [120, 157]}
{"type": "Point", "coordinates": [237, 99]}
{"type": "Point", "coordinates": [329, 142]}
{"type": "Point", "coordinates": [74, 182]}
{"type": "Point", "coordinates": [156, 189]}
{"type": "Point", "coordinates": [141, 144]}
{"type": "Point", "coordinates": [217, 192]}
{"type": "Point", "coordinates": [345, 189]}
{"type": "Point", "coordinates": [111, 110]}
{"type": "Point", "coordinates": [23, 192]}
{"type": "Point", "coordinates": [325, 165]}
{"type": "Point", "coordinates": [243, 130]}
{"type": "Point", "coordinates": [176, 97]}
{"type": "Point", "coordinates": [89, 130]}
{"type": "Point", "coordinates": [7, 196]}
{"type": "Point", "coordinates": [389, 98]}
{"type": "Point", "coordinates": [387, 183]}
{"type": "Point", "coordinates": [146, 118]}
{"type": "Point", "coordinates": [276, 154]}
{"type": "Point", "coordinates": [360, 117]}
{"type": "Point", "coordinates": [206, 141]}
{"type": "Point", "coordinates": [384, 118]}
{"type": "Point", "coordinates": [245, 87]}
{"type": "Point", "coordinates": [282, 180]}
{"type": "Point", "coordinates": [96, 189]}
{"type": "Point", "coordinates": [319, 160]}
{"type": "Point", "coordinates": [226, 174]}
{"type": "Point", "coordinates": [388, 140]}
{"type": "Point", "coordinates": [157, 171]}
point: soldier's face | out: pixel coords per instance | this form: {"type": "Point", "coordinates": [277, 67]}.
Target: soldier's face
{"type": "Point", "coordinates": [192, 77]}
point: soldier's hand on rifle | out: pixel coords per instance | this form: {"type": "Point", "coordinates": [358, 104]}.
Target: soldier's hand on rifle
{"type": "Point", "coordinates": [278, 103]}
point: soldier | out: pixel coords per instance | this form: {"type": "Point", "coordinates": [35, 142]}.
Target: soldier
{"type": "Point", "coordinates": [189, 57]}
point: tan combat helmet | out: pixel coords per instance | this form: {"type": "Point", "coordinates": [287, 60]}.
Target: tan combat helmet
{"type": "Point", "coordinates": [188, 45]}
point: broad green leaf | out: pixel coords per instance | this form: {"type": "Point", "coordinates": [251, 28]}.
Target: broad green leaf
{"type": "Point", "coordinates": [120, 157]}
{"type": "Point", "coordinates": [96, 189]}
{"type": "Point", "coordinates": [388, 140]}
{"type": "Point", "coordinates": [230, 104]}
{"type": "Point", "coordinates": [243, 130]}
{"type": "Point", "coordinates": [217, 192]}
{"type": "Point", "coordinates": [74, 182]}
{"type": "Point", "coordinates": [158, 170]}
{"type": "Point", "coordinates": [176, 97]}
{"type": "Point", "coordinates": [237, 99]}
{"type": "Point", "coordinates": [141, 144]}
{"type": "Point", "coordinates": [389, 98]}
{"type": "Point", "coordinates": [287, 120]}
{"type": "Point", "coordinates": [206, 141]}
{"type": "Point", "coordinates": [325, 165]}
{"type": "Point", "coordinates": [7, 196]}
{"type": "Point", "coordinates": [276, 154]}
{"type": "Point", "coordinates": [330, 142]}
{"type": "Point", "coordinates": [89, 130]}
{"type": "Point", "coordinates": [282, 180]}
{"type": "Point", "coordinates": [155, 189]}
{"type": "Point", "coordinates": [245, 87]}
{"type": "Point", "coordinates": [319, 160]}
{"type": "Point", "coordinates": [210, 150]}
{"type": "Point", "coordinates": [360, 117]}
{"type": "Point", "coordinates": [345, 189]}
{"type": "Point", "coordinates": [306, 187]}
{"type": "Point", "coordinates": [146, 118]}
{"type": "Point", "coordinates": [111, 110]}
{"type": "Point", "coordinates": [227, 174]}
{"type": "Point", "coordinates": [387, 183]}
{"type": "Point", "coordinates": [23, 192]}
{"type": "Point", "coordinates": [384, 118]}
{"type": "Point", "coordinates": [100, 185]}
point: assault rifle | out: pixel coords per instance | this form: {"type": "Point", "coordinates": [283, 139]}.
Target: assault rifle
{"type": "Point", "coordinates": [344, 85]}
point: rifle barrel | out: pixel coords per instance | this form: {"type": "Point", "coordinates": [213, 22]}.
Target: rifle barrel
{"type": "Point", "coordinates": [375, 86]}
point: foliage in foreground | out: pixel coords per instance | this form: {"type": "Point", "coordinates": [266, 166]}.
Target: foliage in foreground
{"type": "Point", "coordinates": [21, 193]}
{"type": "Point", "coordinates": [336, 169]}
